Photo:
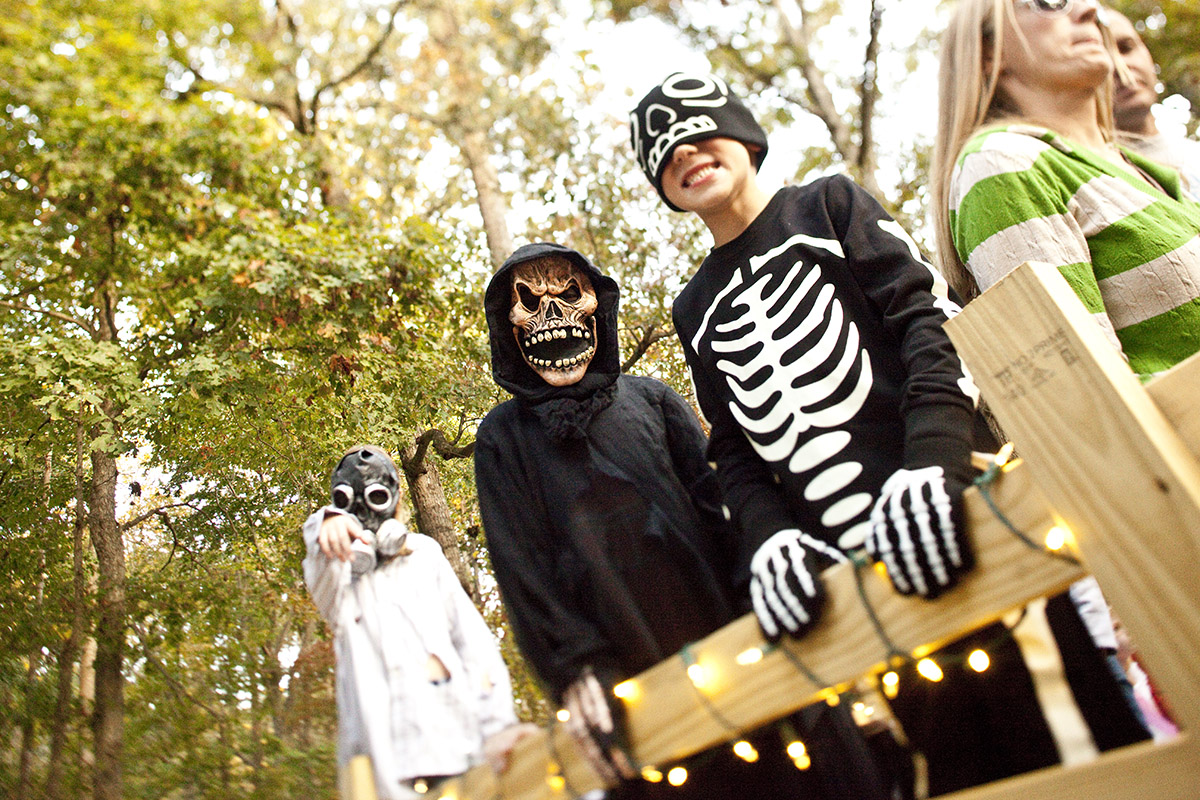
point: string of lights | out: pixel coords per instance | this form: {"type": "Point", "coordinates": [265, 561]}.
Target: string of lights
{"type": "Point", "coordinates": [1056, 538]}
{"type": "Point", "coordinates": [701, 675]}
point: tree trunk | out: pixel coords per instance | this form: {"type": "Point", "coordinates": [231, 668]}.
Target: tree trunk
{"type": "Point", "coordinates": [492, 205]}
{"type": "Point", "coordinates": [87, 691]}
{"type": "Point", "coordinates": [29, 724]}
{"type": "Point", "coordinates": [70, 650]}
{"type": "Point", "coordinates": [432, 513]}
{"type": "Point", "coordinates": [272, 672]}
{"type": "Point", "coordinates": [29, 721]}
{"type": "Point", "coordinates": [108, 724]}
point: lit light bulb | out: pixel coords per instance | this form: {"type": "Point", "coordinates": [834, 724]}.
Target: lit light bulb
{"type": "Point", "coordinates": [748, 657]}
{"type": "Point", "coordinates": [832, 700]}
{"type": "Point", "coordinates": [626, 690]}
{"type": "Point", "coordinates": [677, 776]}
{"type": "Point", "coordinates": [1004, 454]}
{"type": "Point", "coordinates": [745, 751]}
{"type": "Point", "coordinates": [1056, 538]}
{"type": "Point", "coordinates": [978, 660]}
{"type": "Point", "coordinates": [698, 675]}
{"type": "Point", "coordinates": [563, 715]}
{"type": "Point", "coordinates": [891, 684]}
{"type": "Point", "coordinates": [556, 782]}
{"type": "Point", "coordinates": [803, 762]}
{"type": "Point", "coordinates": [929, 669]}
{"type": "Point", "coordinates": [651, 774]}
{"type": "Point", "coordinates": [420, 786]}
{"type": "Point", "coordinates": [796, 749]}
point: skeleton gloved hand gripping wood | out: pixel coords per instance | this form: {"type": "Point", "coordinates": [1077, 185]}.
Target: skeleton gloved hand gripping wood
{"type": "Point", "coordinates": [785, 582]}
{"type": "Point", "coordinates": [918, 533]}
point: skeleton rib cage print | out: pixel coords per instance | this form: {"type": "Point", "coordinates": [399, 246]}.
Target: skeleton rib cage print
{"type": "Point", "coordinates": [794, 362]}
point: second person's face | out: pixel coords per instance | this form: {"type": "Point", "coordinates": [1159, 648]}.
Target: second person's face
{"type": "Point", "coordinates": [1140, 95]}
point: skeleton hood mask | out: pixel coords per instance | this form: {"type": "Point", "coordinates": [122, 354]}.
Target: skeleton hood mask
{"type": "Point", "coordinates": [552, 323]}
{"type": "Point", "coordinates": [365, 483]}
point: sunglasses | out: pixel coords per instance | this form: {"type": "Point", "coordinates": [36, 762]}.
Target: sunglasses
{"type": "Point", "coordinates": [1054, 8]}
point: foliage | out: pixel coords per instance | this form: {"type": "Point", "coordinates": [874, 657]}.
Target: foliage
{"type": "Point", "coordinates": [172, 288]}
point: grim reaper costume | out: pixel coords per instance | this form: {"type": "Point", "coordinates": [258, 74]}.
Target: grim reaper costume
{"type": "Point", "coordinates": [604, 523]}
{"type": "Point", "coordinates": [420, 679]}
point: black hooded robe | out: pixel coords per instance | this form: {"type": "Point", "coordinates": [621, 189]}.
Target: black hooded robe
{"type": "Point", "coordinates": [605, 530]}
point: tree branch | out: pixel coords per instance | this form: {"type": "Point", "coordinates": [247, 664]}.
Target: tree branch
{"type": "Point", "coordinates": [140, 518]}
{"type": "Point", "coordinates": [869, 94]}
{"type": "Point", "coordinates": [177, 688]}
{"type": "Point", "coordinates": [290, 19]}
{"type": "Point", "coordinates": [366, 60]}
{"type": "Point", "coordinates": [818, 92]}
{"type": "Point", "coordinates": [33, 287]}
{"type": "Point", "coordinates": [650, 335]}
{"type": "Point", "coordinates": [84, 324]}
{"type": "Point", "coordinates": [12, 463]}
{"type": "Point", "coordinates": [440, 444]}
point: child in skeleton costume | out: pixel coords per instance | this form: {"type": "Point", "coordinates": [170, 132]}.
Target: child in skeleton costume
{"type": "Point", "coordinates": [841, 416]}
{"type": "Point", "coordinates": [605, 530]}
{"type": "Point", "coordinates": [420, 679]}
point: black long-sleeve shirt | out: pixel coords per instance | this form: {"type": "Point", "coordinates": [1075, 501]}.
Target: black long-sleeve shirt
{"type": "Point", "coordinates": [815, 344]}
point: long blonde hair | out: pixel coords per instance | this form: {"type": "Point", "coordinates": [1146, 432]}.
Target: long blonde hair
{"type": "Point", "coordinates": [969, 100]}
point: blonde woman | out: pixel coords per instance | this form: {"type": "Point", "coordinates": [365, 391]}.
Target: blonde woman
{"type": "Point", "coordinates": [1026, 168]}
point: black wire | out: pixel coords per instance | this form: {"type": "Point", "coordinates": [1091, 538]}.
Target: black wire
{"type": "Point", "coordinates": [685, 654]}
{"type": "Point", "coordinates": [983, 482]}
{"type": "Point", "coordinates": [893, 652]}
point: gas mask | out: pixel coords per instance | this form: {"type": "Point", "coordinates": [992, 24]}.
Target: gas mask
{"type": "Point", "coordinates": [366, 485]}
{"type": "Point", "coordinates": [553, 304]}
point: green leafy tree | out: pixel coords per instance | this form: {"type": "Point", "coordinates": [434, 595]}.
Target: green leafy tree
{"type": "Point", "coordinates": [166, 276]}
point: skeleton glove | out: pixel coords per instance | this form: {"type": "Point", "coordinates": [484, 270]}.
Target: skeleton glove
{"type": "Point", "coordinates": [917, 531]}
{"type": "Point", "coordinates": [785, 583]}
{"type": "Point", "coordinates": [596, 721]}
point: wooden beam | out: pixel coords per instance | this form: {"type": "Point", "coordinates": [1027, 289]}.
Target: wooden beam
{"type": "Point", "coordinates": [1144, 771]}
{"type": "Point", "coordinates": [1118, 472]}
{"type": "Point", "coordinates": [1176, 393]}
{"type": "Point", "coordinates": [668, 720]}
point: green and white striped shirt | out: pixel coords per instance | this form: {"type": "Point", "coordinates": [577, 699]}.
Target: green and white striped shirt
{"type": "Point", "coordinates": [1131, 252]}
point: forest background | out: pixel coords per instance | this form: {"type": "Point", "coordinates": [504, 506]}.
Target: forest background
{"type": "Point", "coordinates": [238, 236]}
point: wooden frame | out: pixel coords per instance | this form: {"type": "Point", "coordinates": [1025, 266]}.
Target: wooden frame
{"type": "Point", "coordinates": [1112, 457]}
{"type": "Point", "coordinates": [1114, 460]}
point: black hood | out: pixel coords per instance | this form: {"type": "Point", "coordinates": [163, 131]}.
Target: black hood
{"type": "Point", "coordinates": [509, 369]}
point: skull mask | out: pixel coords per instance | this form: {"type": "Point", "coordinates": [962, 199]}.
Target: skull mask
{"type": "Point", "coordinates": [553, 304]}
{"type": "Point", "coordinates": [365, 483]}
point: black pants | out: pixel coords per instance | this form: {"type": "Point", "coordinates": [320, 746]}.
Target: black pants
{"type": "Point", "coordinates": [975, 728]}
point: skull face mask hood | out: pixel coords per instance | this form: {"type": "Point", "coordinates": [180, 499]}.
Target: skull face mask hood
{"type": "Point", "coordinates": [510, 369]}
